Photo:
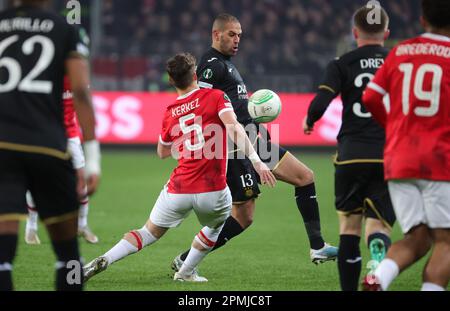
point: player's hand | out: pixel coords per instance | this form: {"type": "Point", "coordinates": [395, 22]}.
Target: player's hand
{"type": "Point", "coordinates": [306, 128]}
{"type": "Point", "coordinates": [266, 176]}
{"type": "Point", "coordinates": [92, 168]}
{"type": "Point", "coordinates": [92, 182]}
{"type": "Point", "coordinates": [81, 184]}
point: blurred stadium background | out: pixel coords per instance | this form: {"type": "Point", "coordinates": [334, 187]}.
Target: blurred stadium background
{"type": "Point", "coordinates": [285, 47]}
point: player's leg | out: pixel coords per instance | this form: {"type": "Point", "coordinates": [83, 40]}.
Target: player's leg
{"type": "Point", "coordinates": [8, 245]}
{"type": "Point", "coordinates": [380, 216]}
{"type": "Point", "coordinates": [63, 235]}
{"type": "Point", "coordinates": [402, 254]}
{"type": "Point", "coordinates": [378, 240]}
{"type": "Point", "coordinates": [31, 228]}
{"type": "Point", "coordinates": [350, 183]}
{"type": "Point", "coordinates": [349, 254]}
{"type": "Point", "coordinates": [56, 198]}
{"type": "Point", "coordinates": [243, 184]}
{"type": "Point", "coordinates": [436, 273]}
{"type": "Point", "coordinates": [12, 209]}
{"type": "Point", "coordinates": [212, 209]}
{"type": "Point", "coordinates": [78, 161]}
{"type": "Point", "coordinates": [409, 207]}
{"type": "Point", "coordinates": [168, 212]}
{"type": "Point", "coordinates": [437, 207]}
{"type": "Point", "coordinates": [83, 229]}
{"type": "Point", "coordinates": [131, 243]}
{"type": "Point", "coordinates": [202, 244]}
{"type": "Point", "coordinates": [289, 169]}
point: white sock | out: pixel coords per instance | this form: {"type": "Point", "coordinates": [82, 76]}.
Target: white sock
{"type": "Point", "coordinates": [386, 272]}
{"type": "Point", "coordinates": [119, 251]}
{"type": "Point", "coordinates": [207, 237]}
{"type": "Point", "coordinates": [83, 213]}
{"type": "Point", "coordinates": [192, 260]}
{"type": "Point", "coordinates": [32, 220]}
{"type": "Point", "coordinates": [431, 287]}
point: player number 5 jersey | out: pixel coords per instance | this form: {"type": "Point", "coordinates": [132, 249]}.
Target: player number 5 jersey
{"type": "Point", "coordinates": [193, 129]}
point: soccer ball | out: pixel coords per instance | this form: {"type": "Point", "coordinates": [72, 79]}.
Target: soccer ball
{"type": "Point", "coordinates": [264, 106]}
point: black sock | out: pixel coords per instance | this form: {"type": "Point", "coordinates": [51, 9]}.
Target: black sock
{"type": "Point", "coordinates": [349, 262]}
{"type": "Point", "coordinates": [231, 229]}
{"type": "Point", "coordinates": [379, 235]}
{"type": "Point", "coordinates": [69, 272]}
{"type": "Point", "coordinates": [8, 246]}
{"type": "Point", "coordinates": [309, 208]}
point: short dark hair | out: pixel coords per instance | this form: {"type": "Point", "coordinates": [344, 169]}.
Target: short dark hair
{"type": "Point", "coordinates": [181, 68]}
{"type": "Point", "coordinates": [362, 21]}
{"type": "Point", "coordinates": [437, 12]}
{"type": "Point", "coordinates": [222, 19]}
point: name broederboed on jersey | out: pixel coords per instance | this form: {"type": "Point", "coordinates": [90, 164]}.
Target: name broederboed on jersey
{"type": "Point", "coordinates": [216, 70]}
{"type": "Point", "coordinates": [34, 45]}
{"type": "Point", "coordinates": [360, 137]}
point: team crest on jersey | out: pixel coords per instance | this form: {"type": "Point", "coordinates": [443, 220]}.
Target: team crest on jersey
{"type": "Point", "coordinates": [248, 193]}
{"type": "Point", "coordinates": [207, 74]}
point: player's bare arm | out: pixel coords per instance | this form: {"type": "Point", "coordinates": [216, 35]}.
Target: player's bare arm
{"type": "Point", "coordinates": [78, 72]}
{"type": "Point", "coordinates": [163, 151]}
{"type": "Point", "coordinates": [237, 133]}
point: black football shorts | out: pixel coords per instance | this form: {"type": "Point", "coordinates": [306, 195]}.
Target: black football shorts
{"type": "Point", "coordinates": [51, 181]}
{"type": "Point", "coordinates": [360, 189]}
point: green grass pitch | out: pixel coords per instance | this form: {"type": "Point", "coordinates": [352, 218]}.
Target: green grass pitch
{"type": "Point", "coordinates": [272, 255]}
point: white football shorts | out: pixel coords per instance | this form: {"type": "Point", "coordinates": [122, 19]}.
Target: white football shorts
{"type": "Point", "coordinates": [419, 201]}
{"type": "Point", "coordinates": [76, 151]}
{"type": "Point", "coordinates": [211, 208]}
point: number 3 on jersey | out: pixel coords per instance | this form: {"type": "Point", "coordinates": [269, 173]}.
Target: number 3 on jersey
{"type": "Point", "coordinates": [28, 83]}
{"type": "Point", "coordinates": [360, 83]}
{"type": "Point", "coordinates": [433, 96]}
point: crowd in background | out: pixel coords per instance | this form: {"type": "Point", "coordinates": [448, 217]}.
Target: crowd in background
{"type": "Point", "coordinates": [285, 43]}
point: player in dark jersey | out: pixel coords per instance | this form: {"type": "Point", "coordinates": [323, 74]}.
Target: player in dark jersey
{"type": "Point", "coordinates": [37, 48]}
{"type": "Point", "coordinates": [360, 188]}
{"type": "Point", "coordinates": [215, 70]}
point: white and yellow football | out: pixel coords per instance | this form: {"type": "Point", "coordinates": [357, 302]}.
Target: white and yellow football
{"type": "Point", "coordinates": [264, 106]}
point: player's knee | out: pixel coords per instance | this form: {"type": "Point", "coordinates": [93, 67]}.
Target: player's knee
{"type": "Point", "coordinates": [245, 220]}
{"type": "Point", "coordinates": [243, 213]}
{"type": "Point", "coordinates": [140, 238]}
{"type": "Point", "coordinates": [304, 177]}
{"type": "Point", "coordinates": [420, 242]}
{"type": "Point", "coordinates": [350, 225]}
{"type": "Point", "coordinates": [206, 239]}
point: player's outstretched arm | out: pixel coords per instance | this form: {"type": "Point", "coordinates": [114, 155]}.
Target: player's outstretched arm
{"type": "Point", "coordinates": [317, 108]}
{"type": "Point", "coordinates": [77, 69]}
{"type": "Point", "coordinates": [237, 134]}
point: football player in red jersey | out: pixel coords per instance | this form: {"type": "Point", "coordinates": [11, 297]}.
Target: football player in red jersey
{"type": "Point", "coordinates": [74, 146]}
{"type": "Point", "coordinates": [194, 131]}
{"type": "Point", "coordinates": [417, 151]}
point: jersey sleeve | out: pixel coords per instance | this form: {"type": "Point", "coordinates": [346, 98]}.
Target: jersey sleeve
{"type": "Point", "coordinates": [327, 91]}
{"type": "Point", "coordinates": [332, 81]}
{"type": "Point", "coordinates": [165, 138]}
{"type": "Point", "coordinates": [211, 75]}
{"type": "Point", "coordinates": [376, 89]}
{"type": "Point", "coordinates": [223, 104]}
{"type": "Point", "coordinates": [77, 42]}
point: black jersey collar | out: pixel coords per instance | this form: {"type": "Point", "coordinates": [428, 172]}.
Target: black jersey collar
{"type": "Point", "coordinates": [222, 56]}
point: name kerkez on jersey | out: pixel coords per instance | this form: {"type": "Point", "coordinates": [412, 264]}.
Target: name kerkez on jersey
{"type": "Point", "coordinates": [185, 108]}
